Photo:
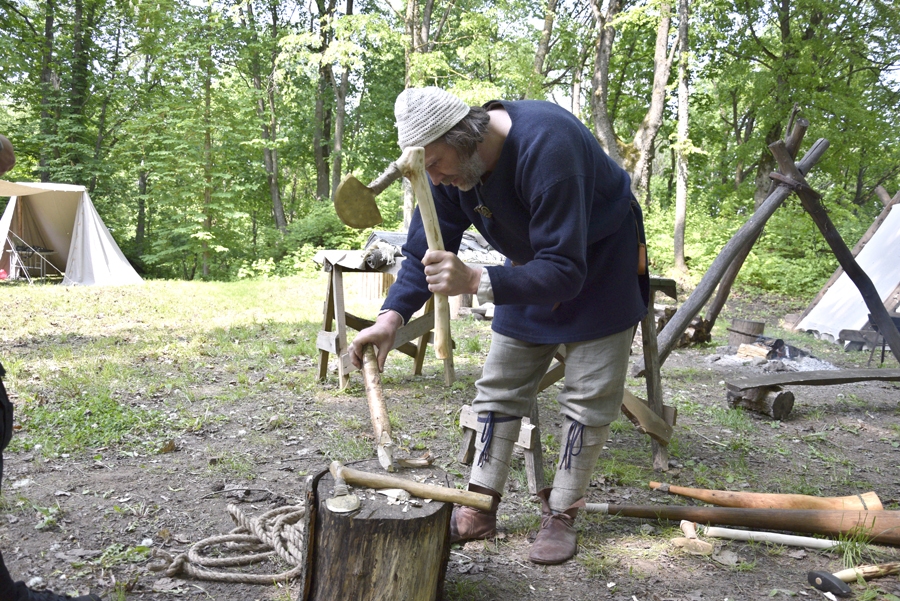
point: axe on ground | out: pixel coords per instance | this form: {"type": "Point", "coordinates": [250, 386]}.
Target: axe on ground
{"type": "Point", "coordinates": [836, 583]}
{"type": "Point", "coordinates": [355, 205]}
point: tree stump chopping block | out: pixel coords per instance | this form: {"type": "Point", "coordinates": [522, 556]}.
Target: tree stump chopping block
{"type": "Point", "coordinates": [386, 550]}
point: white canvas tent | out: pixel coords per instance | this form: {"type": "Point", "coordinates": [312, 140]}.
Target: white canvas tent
{"type": "Point", "coordinates": [839, 305]}
{"type": "Point", "coordinates": [54, 228]}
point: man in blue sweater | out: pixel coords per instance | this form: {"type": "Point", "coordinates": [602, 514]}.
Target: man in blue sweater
{"type": "Point", "coordinates": [9, 590]}
{"type": "Point", "coordinates": [534, 181]}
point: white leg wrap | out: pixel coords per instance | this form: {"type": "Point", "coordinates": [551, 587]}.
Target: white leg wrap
{"type": "Point", "coordinates": [493, 449]}
{"type": "Point", "coordinates": [577, 458]}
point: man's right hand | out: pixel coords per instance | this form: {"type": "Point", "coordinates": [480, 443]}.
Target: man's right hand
{"type": "Point", "coordinates": [381, 334]}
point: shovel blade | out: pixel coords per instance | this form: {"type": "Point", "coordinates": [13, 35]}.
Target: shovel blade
{"type": "Point", "coordinates": [355, 204]}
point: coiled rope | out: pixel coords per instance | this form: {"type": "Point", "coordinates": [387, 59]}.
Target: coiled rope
{"type": "Point", "coordinates": [276, 532]}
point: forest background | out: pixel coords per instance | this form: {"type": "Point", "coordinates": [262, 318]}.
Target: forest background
{"type": "Point", "coordinates": [211, 135]}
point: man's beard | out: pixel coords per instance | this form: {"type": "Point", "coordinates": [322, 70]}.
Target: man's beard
{"type": "Point", "coordinates": [471, 170]}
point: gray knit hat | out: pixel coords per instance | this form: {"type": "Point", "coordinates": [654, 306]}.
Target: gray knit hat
{"type": "Point", "coordinates": [425, 114]}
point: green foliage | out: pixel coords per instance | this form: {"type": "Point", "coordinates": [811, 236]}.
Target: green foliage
{"type": "Point", "coordinates": [174, 114]}
{"type": "Point", "coordinates": [120, 369]}
{"type": "Point", "coordinates": [790, 258]}
{"type": "Point", "coordinates": [86, 417]}
{"type": "Point", "coordinates": [321, 227]}
{"type": "Point", "coordinates": [118, 554]}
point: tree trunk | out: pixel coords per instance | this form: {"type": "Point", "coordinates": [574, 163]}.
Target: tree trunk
{"type": "Point", "coordinates": [101, 124]}
{"type": "Point", "coordinates": [272, 173]}
{"type": "Point", "coordinates": [141, 225]}
{"type": "Point", "coordinates": [606, 35]}
{"type": "Point", "coordinates": [340, 96]}
{"type": "Point", "coordinates": [422, 38]}
{"type": "Point", "coordinates": [265, 110]}
{"type": "Point", "coordinates": [576, 91]}
{"type": "Point", "coordinates": [340, 114]}
{"type": "Point", "coordinates": [82, 23]}
{"type": "Point", "coordinates": [645, 136]}
{"type": "Point", "coordinates": [681, 150]}
{"type": "Point", "coordinates": [49, 88]}
{"type": "Point", "coordinates": [206, 64]}
{"type": "Point", "coordinates": [322, 126]}
{"type": "Point", "coordinates": [540, 54]}
{"type": "Point", "coordinates": [409, 22]}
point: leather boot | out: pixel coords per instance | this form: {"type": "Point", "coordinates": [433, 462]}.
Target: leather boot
{"type": "Point", "coordinates": [468, 523]}
{"type": "Point", "coordinates": [557, 540]}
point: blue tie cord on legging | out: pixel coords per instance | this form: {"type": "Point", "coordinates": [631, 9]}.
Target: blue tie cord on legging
{"type": "Point", "coordinates": [574, 439]}
{"type": "Point", "coordinates": [487, 433]}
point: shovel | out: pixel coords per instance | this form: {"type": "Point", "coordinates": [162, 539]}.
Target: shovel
{"type": "Point", "coordinates": [356, 207]}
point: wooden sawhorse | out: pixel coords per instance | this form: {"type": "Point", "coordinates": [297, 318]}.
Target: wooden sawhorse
{"type": "Point", "coordinates": [412, 339]}
{"type": "Point", "coordinates": [650, 417]}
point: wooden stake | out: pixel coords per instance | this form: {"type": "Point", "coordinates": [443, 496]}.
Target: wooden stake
{"type": "Point", "coordinates": [381, 423]}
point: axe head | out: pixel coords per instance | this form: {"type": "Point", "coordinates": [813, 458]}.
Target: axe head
{"type": "Point", "coordinates": [829, 583]}
{"type": "Point", "coordinates": [355, 204]}
{"type": "Point", "coordinates": [342, 501]}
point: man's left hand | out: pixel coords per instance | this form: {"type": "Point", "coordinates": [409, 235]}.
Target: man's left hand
{"type": "Point", "coordinates": [447, 275]}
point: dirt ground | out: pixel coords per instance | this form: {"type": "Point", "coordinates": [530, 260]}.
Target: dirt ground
{"type": "Point", "coordinates": [838, 440]}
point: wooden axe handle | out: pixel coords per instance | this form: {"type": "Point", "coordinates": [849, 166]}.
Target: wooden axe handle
{"type": "Point", "coordinates": [425, 491]}
{"type": "Point", "coordinates": [771, 537]}
{"type": "Point", "coordinates": [867, 572]}
{"type": "Point", "coordinates": [387, 177]}
{"type": "Point", "coordinates": [412, 165]}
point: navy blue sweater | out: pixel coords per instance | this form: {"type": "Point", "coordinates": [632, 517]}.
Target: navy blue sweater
{"type": "Point", "coordinates": [562, 214]}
